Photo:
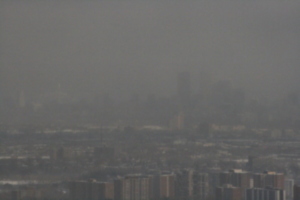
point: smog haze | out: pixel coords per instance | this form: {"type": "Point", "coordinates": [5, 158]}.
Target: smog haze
{"type": "Point", "coordinates": [121, 48]}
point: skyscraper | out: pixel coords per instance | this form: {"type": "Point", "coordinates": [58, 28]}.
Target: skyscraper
{"type": "Point", "coordinates": [296, 192]}
{"type": "Point", "coordinates": [184, 89]}
{"type": "Point", "coordinates": [229, 192]}
{"type": "Point", "coordinates": [200, 186]}
{"type": "Point", "coordinates": [184, 184]}
{"type": "Point", "coordinates": [236, 178]}
{"type": "Point", "coordinates": [133, 187]}
{"type": "Point", "coordinates": [163, 186]}
{"type": "Point", "coordinates": [92, 190]}
{"type": "Point", "coordinates": [268, 193]}
{"type": "Point", "coordinates": [272, 179]}
{"type": "Point", "coordinates": [289, 188]}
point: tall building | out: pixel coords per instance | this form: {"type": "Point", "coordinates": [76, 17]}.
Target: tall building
{"type": "Point", "coordinates": [236, 178]}
{"type": "Point", "coordinates": [78, 190]}
{"type": "Point", "coordinates": [177, 122]}
{"type": "Point", "coordinates": [229, 192]}
{"type": "Point", "coordinates": [184, 89]}
{"type": "Point", "coordinates": [265, 194]}
{"type": "Point", "coordinates": [268, 179]}
{"type": "Point", "coordinates": [191, 184]}
{"type": "Point", "coordinates": [22, 101]}
{"type": "Point", "coordinates": [104, 153]}
{"type": "Point", "coordinates": [163, 186]}
{"type": "Point", "coordinates": [200, 186]}
{"type": "Point", "coordinates": [133, 187]}
{"type": "Point", "coordinates": [91, 190]}
{"type": "Point", "coordinates": [296, 192]}
{"type": "Point", "coordinates": [184, 184]}
{"type": "Point", "coordinates": [289, 188]}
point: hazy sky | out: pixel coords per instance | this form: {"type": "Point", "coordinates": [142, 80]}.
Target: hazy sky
{"type": "Point", "coordinates": [139, 46]}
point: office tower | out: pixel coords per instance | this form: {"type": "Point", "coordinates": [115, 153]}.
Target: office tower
{"type": "Point", "coordinates": [118, 188]}
{"type": "Point", "coordinates": [265, 194]}
{"type": "Point", "coordinates": [101, 190]}
{"type": "Point", "coordinates": [236, 178]}
{"type": "Point", "coordinates": [200, 186]}
{"type": "Point", "coordinates": [214, 182]}
{"type": "Point", "coordinates": [221, 93]}
{"type": "Point", "coordinates": [78, 190]}
{"type": "Point", "coordinates": [272, 179]}
{"type": "Point", "coordinates": [177, 122]}
{"type": "Point", "coordinates": [229, 192]}
{"type": "Point", "coordinates": [91, 190]}
{"type": "Point", "coordinates": [104, 153]}
{"type": "Point", "coordinates": [15, 195]}
{"type": "Point", "coordinates": [133, 187]}
{"type": "Point", "coordinates": [251, 162]}
{"type": "Point", "coordinates": [22, 102]}
{"type": "Point", "coordinates": [204, 129]}
{"type": "Point", "coordinates": [205, 83]}
{"type": "Point", "coordinates": [184, 89]}
{"type": "Point", "coordinates": [163, 186]}
{"type": "Point", "coordinates": [296, 192]}
{"type": "Point", "coordinates": [289, 188]}
{"type": "Point", "coordinates": [184, 184]}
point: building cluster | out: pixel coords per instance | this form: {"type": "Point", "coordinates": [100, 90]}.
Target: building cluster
{"type": "Point", "coordinates": [217, 102]}
{"type": "Point", "coordinates": [189, 184]}
{"type": "Point", "coordinates": [34, 192]}
{"type": "Point", "coordinates": [241, 185]}
{"type": "Point", "coordinates": [185, 184]}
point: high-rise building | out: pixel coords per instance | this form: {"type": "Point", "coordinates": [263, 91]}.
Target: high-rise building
{"type": "Point", "coordinates": [236, 178]}
{"type": "Point", "coordinates": [184, 89]}
{"type": "Point", "coordinates": [229, 192]}
{"type": "Point", "coordinates": [104, 153]}
{"type": "Point", "coordinates": [92, 190]}
{"type": "Point", "coordinates": [268, 179]}
{"type": "Point", "coordinates": [133, 187]}
{"type": "Point", "coordinates": [163, 186]}
{"type": "Point", "coordinates": [296, 192]}
{"type": "Point", "coordinates": [184, 184]}
{"type": "Point", "coordinates": [22, 101]}
{"type": "Point", "coordinates": [78, 190]}
{"type": "Point", "coordinates": [265, 194]}
{"type": "Point", "coordinates": [289, 188]}
{"type": "Point", "coordinates": [191, 184]}
{"type": "Point", "coordinates": [200, 186]}
{"type": "Point", "coordinates": [177, 122]}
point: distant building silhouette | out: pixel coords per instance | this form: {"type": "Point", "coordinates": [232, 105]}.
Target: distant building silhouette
{"type": "Point", "coordinates": [229, 192]}
{"type": "Point", "coordinates": [184, 89]}
{"type": "Point", "coordinates": [268, 193]}
{"type": "Point", "coordinates": [184, 184]}
{"type": "Point", "coordinates": [92, 190]}
{"type": "Point", "coordinates": [133, 187]}
{"type": "Point", "coordinates": [236, 178]}
{"type": "Point", "coordinates": [177, 122]}
{"type": "Point", "coordinates": [163, 186]}
{"type": "Point", "coordinates": [296, 192]}
{"type": "Point", "coordinates": [268, 179]}
{"type": "Point", "coordinates": [289, 188]}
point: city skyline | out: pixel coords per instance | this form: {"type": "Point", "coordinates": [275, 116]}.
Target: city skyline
{"type": "Point", "coordinates": [138, 47]}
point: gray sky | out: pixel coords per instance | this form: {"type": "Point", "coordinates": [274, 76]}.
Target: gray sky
{"type": "Point", "coordinates": [139, 46]}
